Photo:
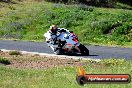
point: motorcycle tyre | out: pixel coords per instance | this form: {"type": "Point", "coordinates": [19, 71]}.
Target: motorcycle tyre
{"type": "Point", "coordinates": [83, 49]}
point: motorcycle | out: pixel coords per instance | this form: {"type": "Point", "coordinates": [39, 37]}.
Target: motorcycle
{"type": "Point", "coordinates": [66, 43]}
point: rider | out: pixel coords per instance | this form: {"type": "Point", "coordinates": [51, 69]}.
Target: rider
{"type": "Point", "coordinates": [53, 31]}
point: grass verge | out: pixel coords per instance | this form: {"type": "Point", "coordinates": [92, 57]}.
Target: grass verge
{"type": "Point", "coordinates": [59, 76]}
{"type": "Point", "coordinates": [101, 26]}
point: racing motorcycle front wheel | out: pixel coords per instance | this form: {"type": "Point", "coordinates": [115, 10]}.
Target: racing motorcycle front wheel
{"type": "Point", "coordinates": [83, 49]}
{"type": "Point", "coordinates": [59, 51]}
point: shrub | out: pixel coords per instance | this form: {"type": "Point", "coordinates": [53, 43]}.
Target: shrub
{"type": "Point", "coordinates": [14, 53]}
{"type": "Point", "coordinates": [123, 30]}
{"type": "Point", "coordinates": [101, 3]}
{"type": "Point", "coordinates": [4, 61]}
{"type": "Point", "coordinates": [101, 26]}
{"type": "Point", "coordinates": [129, 2]}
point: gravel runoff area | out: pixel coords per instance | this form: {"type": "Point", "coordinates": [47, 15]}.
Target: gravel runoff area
{"type": "Point", "coordinates": [36, 61]}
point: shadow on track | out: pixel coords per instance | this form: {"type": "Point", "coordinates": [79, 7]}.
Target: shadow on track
{"type": "Point", "coordinates": [79, 55]}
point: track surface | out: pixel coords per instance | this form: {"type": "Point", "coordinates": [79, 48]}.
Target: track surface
{"type": "Point", "coordinates": [96, 52]}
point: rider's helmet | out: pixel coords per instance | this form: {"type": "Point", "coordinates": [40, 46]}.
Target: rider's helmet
{"type": "Point", "coordinates": [53, 28]}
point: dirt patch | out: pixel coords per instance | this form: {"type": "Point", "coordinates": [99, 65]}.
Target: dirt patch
{"type": "Point", "coordinates": [36, 61]}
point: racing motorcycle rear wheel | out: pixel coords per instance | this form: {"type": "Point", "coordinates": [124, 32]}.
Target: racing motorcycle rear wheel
{"type": "Point", "coordinates": [59, 51]}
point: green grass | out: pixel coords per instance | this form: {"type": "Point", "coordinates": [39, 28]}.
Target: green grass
{"type": "Point", "coordinates": [61, 77]}
{"type": "Point", "coordinates": [101, 26]}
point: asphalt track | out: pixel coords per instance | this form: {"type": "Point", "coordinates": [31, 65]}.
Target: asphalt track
{"type": "Point", "coordinates": [96, 52]}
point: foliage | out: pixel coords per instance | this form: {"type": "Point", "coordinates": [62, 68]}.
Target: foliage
{"type": "Point", "coordinates": [4, 61]}
{"type": "Point", "coordinates": [101, 3]}
{"type": "Point", "coordinates": [129, 2]}
{"type": "Point", "coordinates": [97, 25]}
{"type": "Point", "coordinates": [14, 53]}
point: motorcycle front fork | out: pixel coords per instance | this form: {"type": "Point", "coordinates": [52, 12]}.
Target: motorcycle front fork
{"type": "Point", "coordinates": [76, 47]}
